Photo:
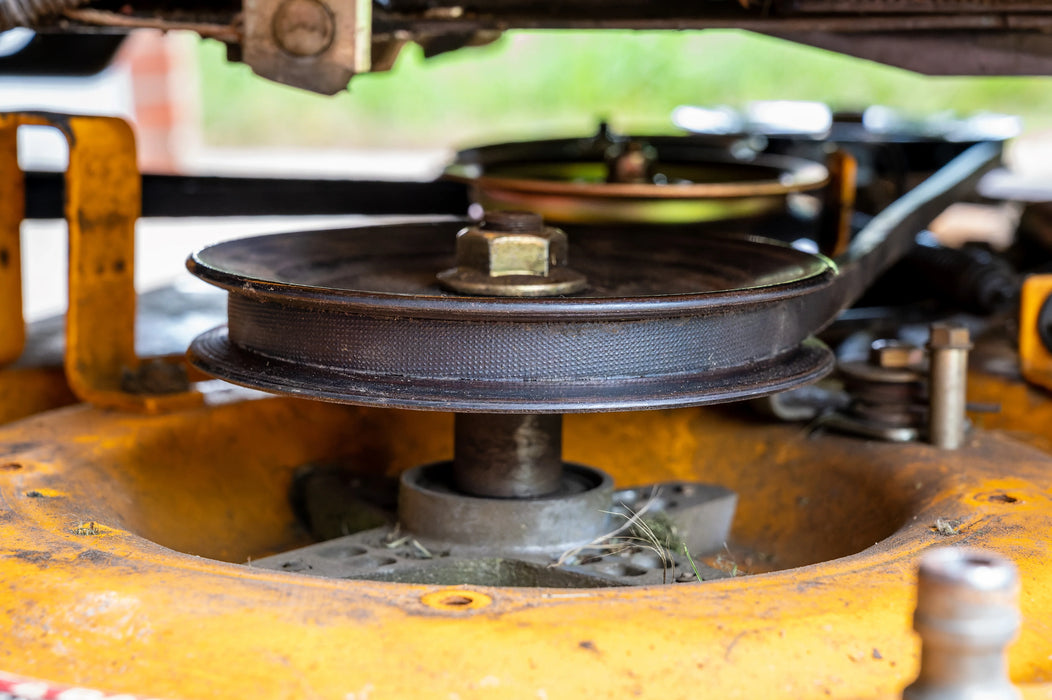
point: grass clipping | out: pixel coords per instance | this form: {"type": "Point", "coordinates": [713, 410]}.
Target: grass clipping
{"type": "Point", "coordinates": [638, 532]}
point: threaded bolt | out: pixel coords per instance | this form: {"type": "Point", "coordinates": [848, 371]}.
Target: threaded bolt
{"type": "Point", "coordinates": [512, 222]}
{"type": "Point", "coordinates": [967, 615]}
{"type": "Point", "coordinates": [948, 382]}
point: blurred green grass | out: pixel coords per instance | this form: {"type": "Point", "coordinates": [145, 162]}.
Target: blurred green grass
{"type": "Point", "coordinates": [552, 83]}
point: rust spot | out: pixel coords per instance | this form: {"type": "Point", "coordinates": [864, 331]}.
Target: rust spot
{"type": "Point", "coordinates": [16, 447]}
{"type": "Point", "coordinates": [43, 493]}
{"type": "Point", "coordinates": [118, 266]}
{"type": "Point", "coordinates": [33, 557]}
{"type": "Point", "coordinates": [10, 467]}
{"type": "Point", "coordinates": [5, 257]}
{"type": "Point", "coordinates": [93, 555]}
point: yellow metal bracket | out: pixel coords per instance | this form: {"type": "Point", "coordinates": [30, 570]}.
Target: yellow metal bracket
{"type": "Point", "coordinates": [103, 200]}
{"type": "Point", "coordinates": [1035, 359]}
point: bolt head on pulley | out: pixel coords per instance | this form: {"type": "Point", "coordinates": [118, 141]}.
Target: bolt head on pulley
{"type": "Point", "coordinates": [512, 254]}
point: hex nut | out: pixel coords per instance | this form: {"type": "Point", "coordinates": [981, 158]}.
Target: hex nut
{"type": "Point", "coordinates": [512, 254]}
{"type": "Point", "coordinates": [948, 335]}
{"type": "Point", "coordinates": [895, 354]}
{"type": "Point", "coordinates": [498, 254]}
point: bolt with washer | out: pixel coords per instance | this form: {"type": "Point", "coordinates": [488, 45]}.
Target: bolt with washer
{"type": "Point", "coordinates": [512, 254]}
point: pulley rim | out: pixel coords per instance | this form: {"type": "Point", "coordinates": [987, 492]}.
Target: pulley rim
{"type": "Point", "coordinates": [214, 354]}
{"type": "Point", "coordinates": [241, 267]}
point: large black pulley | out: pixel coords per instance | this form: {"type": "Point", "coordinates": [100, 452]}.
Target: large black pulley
{"type": "Point", "coordinates": [666, 318]}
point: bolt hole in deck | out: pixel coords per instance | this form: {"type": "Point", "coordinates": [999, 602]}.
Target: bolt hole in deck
{"type": "Point", "coordinates": [456, 600]}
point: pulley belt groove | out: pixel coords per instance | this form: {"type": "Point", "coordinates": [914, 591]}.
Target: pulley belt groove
{"type": "Point", "coordinates": [514, 351]}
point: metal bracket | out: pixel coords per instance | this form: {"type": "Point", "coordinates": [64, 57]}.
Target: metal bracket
{"type": "Point", "coordinates": [318, 45]}
{"type": "Point", "coordinates": [102, 204]}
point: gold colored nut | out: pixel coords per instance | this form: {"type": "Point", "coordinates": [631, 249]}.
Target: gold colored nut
{"type": "Point", "coordinates": [947, 335]}
{"type": "Point", "coordinates": [895, 354]}
{"type": "Point", "coordinates": [499, 254]}
{"type": "Point", "coordinates": [512, 254]}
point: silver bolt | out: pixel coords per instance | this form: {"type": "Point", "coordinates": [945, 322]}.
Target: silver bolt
{"type": "Point", "coordinates": [502, 221]}
{"type": "Point", "coordinates": [967, 615]}
{"type": "Point", "coordinates": [948, 381]}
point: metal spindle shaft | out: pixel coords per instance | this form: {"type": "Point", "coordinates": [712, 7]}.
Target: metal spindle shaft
{"type": "Point", "coordinates": [507, 455]}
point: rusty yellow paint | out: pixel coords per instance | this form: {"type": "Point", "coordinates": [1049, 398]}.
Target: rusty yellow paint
{"type": "Point", "coordinates": [158, 605]}
{"type": "Point", "coordinates": [25, 391]}
{"type": "Point", "coordinates": [1034, 358]}
{"type": "Point", "coordinates": [1023, 410]}
{"type": "Point", "coordinates": [102, 204]}
{"type": "Point", "coordinates": [103, 199]}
